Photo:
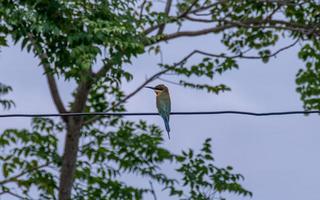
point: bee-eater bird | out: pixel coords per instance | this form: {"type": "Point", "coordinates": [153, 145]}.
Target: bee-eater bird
{"type": "Point", "coordinates": [163, 104]}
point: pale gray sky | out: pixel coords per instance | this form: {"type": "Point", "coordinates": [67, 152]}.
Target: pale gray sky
{"type": "Point", "coordinates": [278, 155]}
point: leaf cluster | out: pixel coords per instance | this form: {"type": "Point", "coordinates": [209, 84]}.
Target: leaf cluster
{"type": "Point", "coordinates": [31, 159]}
{"type": "Point", "coordinates": [5, 103]}
{"type": "Point", "coordinates": [204, 180]}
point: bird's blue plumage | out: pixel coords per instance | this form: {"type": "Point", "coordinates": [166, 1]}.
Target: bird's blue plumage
{"type": "Point", "coordinates": [163, 104]}
{"type": "Point", "coordinates": [164, 108]}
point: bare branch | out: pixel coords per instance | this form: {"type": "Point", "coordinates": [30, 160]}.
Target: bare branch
{"type": "Point", "coordinates": [169, 81]}
{"type": "Point", "coordinates": [195, 33]}
{"type": "Point", "coordinates": [247, 57]}
{"type": "Point", "coordinates": [50, 78]}
{"type": "Point", "coordinates": [200, 19]}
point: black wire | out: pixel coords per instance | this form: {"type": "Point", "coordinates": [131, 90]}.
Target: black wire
{"type": "Point", "coordinates": [173, 113]}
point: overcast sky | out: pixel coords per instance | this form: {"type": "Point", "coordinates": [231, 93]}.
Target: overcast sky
{"type": "Point", "coordinates": [278, 155]}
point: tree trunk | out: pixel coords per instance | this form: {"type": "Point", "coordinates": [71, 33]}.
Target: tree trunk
{"type": "Point", "coordinates": [74, 124]}
{"type": "Point", "coordinates": [69, 158]}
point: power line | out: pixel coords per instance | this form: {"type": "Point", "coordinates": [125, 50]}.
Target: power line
{"type": "Point", "coordinates": [173, 113]}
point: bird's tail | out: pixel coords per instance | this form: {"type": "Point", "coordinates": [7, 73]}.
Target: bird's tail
{"type": "Point", "coordinates": [166, 123]}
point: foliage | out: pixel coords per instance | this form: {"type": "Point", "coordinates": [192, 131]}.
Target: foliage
{"type": "Point", "coordinates": [204, 179]}
{"type": "Point", "coordinates": [89, 42]}
{"type": "Point", "coordinates": [32, 159]}
{"type": "Point", "coordinates": [308, 79]}
{"type": "Point", "coordinates": [5, 103]}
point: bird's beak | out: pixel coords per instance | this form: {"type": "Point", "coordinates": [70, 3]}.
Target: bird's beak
{"type": "Point", "coordinates": [152, 88]}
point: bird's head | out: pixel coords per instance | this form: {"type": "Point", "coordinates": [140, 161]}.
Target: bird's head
{"type": "Point", "coordinates": [159, 89]}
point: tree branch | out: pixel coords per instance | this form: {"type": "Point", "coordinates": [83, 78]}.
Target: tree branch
{"type": "Point", "coordinates": [166, 11]}
{"type": "Point", "coordinates": [280, 2]}
{"type": "Point", "coordinates": [153, 77]}
{"type": "Point", "coordinates": [195, 33]}
{"type": "Point", "coordinates": [173, 19]}
{"type": "Point", "coordinates": [250, 23]}
{"type": "Point", "coordinates": [275, 24]}
{"type": "Point", "coordinates": [149, 80]}
{"type": "Point", "coordinates": [188, 9]}
{"type": "Point", "coordinates": [200, 19]}
{"type": "Point", "coordinates": [81, 96]}
{"type": "Point", "coordinates": [142, 8]}
{"type": "Point", "coordinates": [14, 178]}
{"type": "Point", "coordinates": [102, 71]}
{"type": "Point", "coordinates": [54, 92]}
{"type": "Point", "coordinates": [13, 194]}
{"type": "Point", "coordinates": [169, 81]}
{"type": "Point", "coordinates": [203, 8]}
{"type": "Point", "coordinates": [247, 57]}
{"type": "Point", "coordinates": [157, 75]}
{"type": "Point", "coordinates": [50, 78]}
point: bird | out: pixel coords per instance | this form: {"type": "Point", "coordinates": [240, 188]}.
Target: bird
{"type": "Point", "coordinates": [163, 104]}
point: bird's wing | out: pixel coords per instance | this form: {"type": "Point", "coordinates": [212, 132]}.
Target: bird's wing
{"type": "Point", "coordinates": [164, 110]}
{"type": "Point", "coordinates": [164, 107]}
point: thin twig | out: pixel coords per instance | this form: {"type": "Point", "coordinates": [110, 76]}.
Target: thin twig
{"type": "Point", "coordinates": [248, 57]}
{"type": "Point", "coordinates": [200, 19]}
{"type": "Point", "coordinates": [194, 32]}
{"type": "Point", "coordinates": [169, 81]}
{"type": "Point", "coordinates": [173, 19]}
{"type": "Point", "coordinates": [13, 194]}
{"type": "Point", "coordinates": [141, 9]}
{"type": "Point", "coordinates": [14, 178]}
{"type": "Point", "coordinates": [167, 12]}
{"type": "Point", "coordinates": [152, 191]}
